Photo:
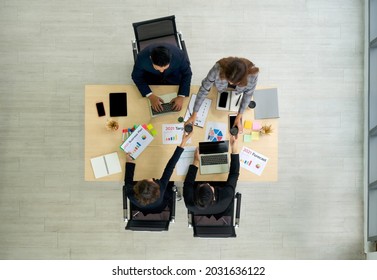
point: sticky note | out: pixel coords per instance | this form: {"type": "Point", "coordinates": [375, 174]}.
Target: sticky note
{"type": "Point", "coordinates": [247, 138]}
{"type": "Point", "coordinates": [255, 135]}
{"type": "Point", "coordinates": [144, 126]}
{"type": "Point", "coordinates": [247, 124]}
{"type": "Point", "coordinates": [257, 126]}
{"type": "Point", "coordinates": [154, 132]}
{"type": "Point", "coordinates": [150, 126]}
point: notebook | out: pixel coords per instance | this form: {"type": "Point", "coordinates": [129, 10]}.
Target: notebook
{"type": "Point", "coordinates": [168, 107]}
{"type": "Point", "coordinates": [106, 165]}
{"type": "Point", "coordinates": [266, 101]}
{"type": "Point", "coordinates": [118, 104]}
{"type": "Point", "coordinates": [136, 143]}
{"type": "Point", "coordinates": [214, 157]}
{"type": "Point", "coordinates": [229, 101]}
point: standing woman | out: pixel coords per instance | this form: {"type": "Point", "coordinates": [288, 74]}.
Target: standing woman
{"type": "Point", "coordinates": [237, 74]}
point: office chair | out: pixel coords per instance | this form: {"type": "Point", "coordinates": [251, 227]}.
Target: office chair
{"type": "Point", "coordinates": [159, 30]}
{"type": "Point", "coordinates": [137, 221]}
{"type": "Point", "coordinates": [209, 226]}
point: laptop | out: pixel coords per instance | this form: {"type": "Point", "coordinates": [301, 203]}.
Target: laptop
{"type": "Point", "coordinates": [166, 105]}
{"type": "Point", "coordinates": [214, 157]}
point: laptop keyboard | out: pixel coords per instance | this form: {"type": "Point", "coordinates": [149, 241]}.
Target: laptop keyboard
{"type": "Point", "coordinates": [215, 159]}
{"type": "Point", "coordinates": [167, 108]}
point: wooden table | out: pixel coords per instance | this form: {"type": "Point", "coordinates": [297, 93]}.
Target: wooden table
{"type": "Point", "coordinates": [151, 163]}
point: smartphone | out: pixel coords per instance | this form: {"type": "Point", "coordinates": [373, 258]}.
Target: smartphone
{"type": "Point", "coordinates": [100, 109]}
{"type": "Point", "coordinates": [223, 99]}
{"type": "Point", "coordinates": [232, 119]}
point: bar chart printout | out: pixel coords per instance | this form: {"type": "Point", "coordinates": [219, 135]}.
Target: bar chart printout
{"type": "Point", "coordinates": [252, 161]}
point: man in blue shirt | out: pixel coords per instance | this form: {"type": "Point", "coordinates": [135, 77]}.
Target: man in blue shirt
{"type": "Point", "coordinates": [162, 64]}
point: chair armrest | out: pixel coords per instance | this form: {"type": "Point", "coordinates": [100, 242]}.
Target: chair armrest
{"type": "Point", "coordinates": [183, 45]}
{"type": "Point", "coordinates": [134, 49]}
{"type": "Point", "coordinates": [124, 197]}
{"type": "Point", "coordinates": [189, 219]}
{"type": "Point", "coordinates": [238, 209]}
{"type": "Point", "coordinates": [172, 219]}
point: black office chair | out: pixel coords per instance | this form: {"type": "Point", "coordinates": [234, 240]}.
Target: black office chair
{"type": "Point", "coordinates": [159, 30]}
{"type": "Point", "coordinates": [209, 226]}
{"type": "Point", "coordinates": [137, 221]}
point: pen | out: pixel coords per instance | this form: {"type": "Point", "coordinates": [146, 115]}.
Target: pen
{"type": "Point", "coordinates": [238, 100]}
{"type": "Point", "coordinates": [123, 134]}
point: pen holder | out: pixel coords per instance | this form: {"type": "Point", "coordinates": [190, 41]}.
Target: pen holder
{"type": "Point", "coordinates": [112, 125]}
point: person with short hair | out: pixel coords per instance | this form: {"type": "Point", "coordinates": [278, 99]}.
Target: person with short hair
{"type": "Point", "coordinates": [151, 195]}
{"type": "Point", "coordinates": [237, 74]}
{"type": "Point", "coordinates": [162, 64]}
{"type": "Point", "coordinates": [205, 199]}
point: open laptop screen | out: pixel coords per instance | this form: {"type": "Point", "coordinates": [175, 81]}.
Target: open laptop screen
{"type": "Point", "coordinates": [213, 147]}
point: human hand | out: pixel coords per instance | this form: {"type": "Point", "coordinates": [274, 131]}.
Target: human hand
{"type": "Point", "coordinates": [238, 123]}
{"type": "Point", "coordinates": [191, 119]}
{"type": "Point", "coordinates": [185, 137]}
{"type": "Point", "coordinates": [128, 157]}
{"type": "Point", "coordinates": [178, 101]}
{"type": "Point", "coordinates": [196, 158]}
{"type": "Point", "coordinates": [234, 144]}
{"type": "Point", "coordinates": [156, 102]}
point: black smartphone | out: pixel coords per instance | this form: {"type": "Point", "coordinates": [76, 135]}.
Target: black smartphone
{"type": "Point", "coordinates": [232, 118]}
{"type": "Point", "coordinates": [100, 109]}
{"type": "Point", "coordinates": [233, 130]}
{"type": "Point", "coordinates": [223, 99]}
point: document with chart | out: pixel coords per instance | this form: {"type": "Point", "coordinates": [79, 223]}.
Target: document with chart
{"type": "Point", "coordinates": [203, 111]}
{"type": "Point", "coordinates": [137, 142]}
{"type": "Point", "coordinates": [252, 161]}
{"type": "Point", "coordinates": [172, 133]}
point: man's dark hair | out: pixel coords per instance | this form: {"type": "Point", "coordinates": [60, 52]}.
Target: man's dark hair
{"type": "Point", "coordinates": [160, 56]}
{"type": "Point", "coordinates": [203, 196]}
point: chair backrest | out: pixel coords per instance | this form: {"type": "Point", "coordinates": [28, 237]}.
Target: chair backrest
{"type": "Point", "coordinates": [159, 30]}
{"type": "Point", "coordinates": [207, 226]}
{"type": "Point", "coordinates": [160, 221]}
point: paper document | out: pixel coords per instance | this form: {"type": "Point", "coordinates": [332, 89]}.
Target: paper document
{"type": "Point", "coordinates": [106, 165]}
{"type": "Point", "coordinates": [187, 157]}
{"type": "Point", "coordinates": [252, 161]}
{"type": "Point", "coordinates": [215, 131]}
{"type": "Point", "coordinates": [172, 133]}
{"type": "Point", "coordinates": [137, 142]}
{"type": "Point", "coordinates": [203, 111]}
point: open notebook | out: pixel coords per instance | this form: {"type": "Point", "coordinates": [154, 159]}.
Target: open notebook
{"type": "Point", "coordinates": [106, 165]}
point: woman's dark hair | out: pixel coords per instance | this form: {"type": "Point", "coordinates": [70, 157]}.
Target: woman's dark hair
{"type": "Point", "coordinates": [160, 56]}
{"type": "Point", "coordinates": [203, 195]}
{"type": "Point", "coordinates": [236, 70]}
{"type": "Point", "coordinates": [146, 192]}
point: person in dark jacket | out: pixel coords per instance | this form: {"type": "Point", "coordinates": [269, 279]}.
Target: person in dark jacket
{"type": "Point", "coordinates": [152, 195]}
{"type": "Point", "coordinates": [205, 199]}
{"type": "Point", "coordinates": [162, 64]}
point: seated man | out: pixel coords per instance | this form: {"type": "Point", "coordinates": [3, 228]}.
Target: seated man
{"type": "Point", "coordinates": [205, 199]}
{"type": "Point", "coordinates": [162, 64]}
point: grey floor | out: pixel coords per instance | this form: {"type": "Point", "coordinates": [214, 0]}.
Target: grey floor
{"type": "Point", "coordinates": [312, 50]}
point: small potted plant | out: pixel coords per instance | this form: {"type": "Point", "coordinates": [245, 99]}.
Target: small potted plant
{"type": "Point", "coordinates": [112, 125]}
{"type": "Point", "coordinates": [266, 129]}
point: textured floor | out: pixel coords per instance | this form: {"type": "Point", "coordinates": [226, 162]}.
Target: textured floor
{"type": "Point", "coordinates": [312, 50]}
